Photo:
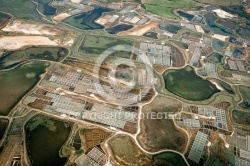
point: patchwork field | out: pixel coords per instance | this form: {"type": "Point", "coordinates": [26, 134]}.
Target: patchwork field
{"type": "Point", "coordinates": [185, 83]}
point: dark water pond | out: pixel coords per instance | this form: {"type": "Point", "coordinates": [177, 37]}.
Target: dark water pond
{"type": "Point", "coordinates": [44, 145]}
{"type": "Point", "coordinates": [45, 8]}
{"type": "Point", "coordinates": [119, 28]}
{"type": "Point", "coordinates": [3, 126]}
{"type": "Point", "coordinates": [86, 21]}
{"type": "Point", "coordinates": [185, 15]}
{"type": "Point", "coordinates": [210, 19]}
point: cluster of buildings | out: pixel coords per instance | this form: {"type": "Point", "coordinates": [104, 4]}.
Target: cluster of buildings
{"type": "Point", "coordinates": [197, 49]}
{"type": "Point", "coordinates": [158, 54]}
{"type": "Point", "coordinates": [108, 19]}
{"type": "Point", "coordinates": [210, 69]}
{"type": "Point", "coordinates": [125, 16]}
{"type": "Point", "coordinates": [241, 77]}
{"type": "Point", "coordinates": [134, 18]}
{"type": "Point", "coordinates": [237, 65]}
{"type": "Point", "coordinates": [55, 103]}
{"type": "Point", "coordinates": [77, 108]}
{"type": "Point", "coordinates": [240, 41]}
{"type": "Point", "coordinates": [12, 153]}
{"type": "Point", "coordinates": [109, 116]}
{"type": "Point", "coordinates": [239, 146]}
{"type": "Point", "coordinates": [116, 95]}
{"type": "Point", "coordinates": [197, 149]}
{"type": "Point", "coordinates": [205, 117]}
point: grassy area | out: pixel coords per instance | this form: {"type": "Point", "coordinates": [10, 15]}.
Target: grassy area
{"type": "Point", "coordinates": [15, 83]}
{"type": "Point", "coordinates": [23, 9]}
{"type": "Point", "coordinates": [126, 151]}
{"type": "Point", "coordinates": [12, 58]}
{"type": "Point", "coordinates": [162, 11]}
{"type": "Point", "coordinates": [245, 93]}
{"type": "Point", "coordinates": [171, 158]}
{"type": "Point", "coordinates": [241, 117]}
{"type": "Point", "coordinates": [98, 44]}
{"type": "Point", "coordinates": [185, 83]}
{"type": "Point", "coordinates": [165, 7]}
{"type": "Point", "coordinates": [166, 135]}
{"type": "Point", "coordinates": [41, 120]}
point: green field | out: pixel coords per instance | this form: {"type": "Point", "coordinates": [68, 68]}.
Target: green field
{"type": "Point", "coordinates": [245, 93]}
{"type": "Point", "coordinates": [15, 83]}
{"type": "Point", "coordinates": [12, 58]}
{"type": "Point", "coordinates": [241, 117]}
{"type": "Point", "coordinates": [165, 7]}
{"type": "Point", "coordinates": [23, 9]}
{"type": "Point", "coordinates": [98, 44]}
{"type": "Point", "coordinates": [185, 83]}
